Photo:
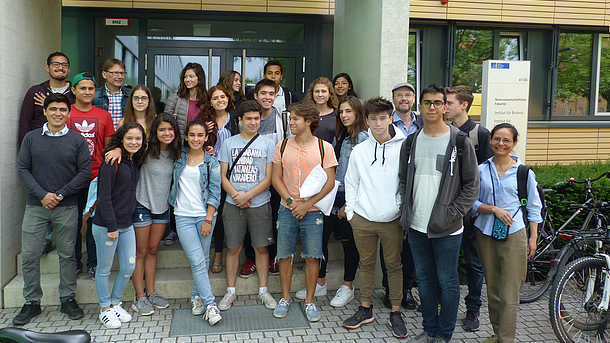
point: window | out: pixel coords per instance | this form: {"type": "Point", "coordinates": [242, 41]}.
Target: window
{"type": "Point", "coordinates": [120, 42]}
{"type": "Point", "coordinates": [603, 78]}
{"type": "Point", "coordinates": [574, 74]}
{"type": "Point", "coordinates": [472, 47]}
{"type": "Point", "coordinates": [510, 48]}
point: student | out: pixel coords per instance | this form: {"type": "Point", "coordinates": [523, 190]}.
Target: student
{"type": "Point", "coordinates": [322, 93]}
{"type": "Point", "coordinates": [373, 216]}
{"type": "Point", "coordinates": [344, 86]}
{"type": "Point", "coordinates": [231, 81]}
{"type": "Point", "coordinates": [53, 165]}
{"type": "Point", "coordinates": [113, 222]}
{"type": "Point", "coordinates": [350, 130]}
{"type": "Point", "coordinates": [152, 209]}
{"type": "Point", "coordinates": [224, 125]}
{"type": "Point", "coordinates": [96, 126]}
{"type": "Point", "coordinates": [191, 97]}
{"type": "Point", "coordinates": [296, 215]}
{"type": "Point", "coordinates": [284, 96]}
{"type": "Point", "coordinates": [140, 108]}
{"type": "Point", "coordinates": [459, 100]}
{"type": "Point", "coordinates": [274, 125]}
{"type": "Point", "coordinates": [439, 183]}
{"type": "Point", "coordinates": [114, 95]}
{"type": "Point", "coordinates": [247, 195]}
{"type": "Point", "coordinates": [195, 196]}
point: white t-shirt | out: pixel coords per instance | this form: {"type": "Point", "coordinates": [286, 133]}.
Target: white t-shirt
{"type": "Point", "coordinates": [280, 102]}
{"type": "Point", "coordinates": [429, 163]}
{"type": "Point", "coordinates": [189, 201]}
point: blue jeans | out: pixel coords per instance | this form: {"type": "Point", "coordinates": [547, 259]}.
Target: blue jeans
{"type": "Point", "coordinates": [436, 267]}
{"type": "Point", "coordinates": [474, 270]}
{"type": "Point", "coordinates": [197, 249]}
{"type": "Point", "coordinates": [288, 228]}
{"type": "Point", "coordinates": [125, 247]}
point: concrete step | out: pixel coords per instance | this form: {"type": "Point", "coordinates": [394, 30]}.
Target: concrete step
{"type": "Point", "coordinates": [172, 257]}
{"type": "Point", "coordinates": [175, 283]}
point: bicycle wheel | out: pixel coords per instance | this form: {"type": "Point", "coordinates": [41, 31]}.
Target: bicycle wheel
{"type": "Point", "coordinates": [539, 278]}
{"type": "Point", "coordinates": [576, 295]}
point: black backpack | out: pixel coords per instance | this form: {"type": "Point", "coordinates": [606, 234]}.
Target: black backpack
{"type": "Point", "coordinates": [522, 176]}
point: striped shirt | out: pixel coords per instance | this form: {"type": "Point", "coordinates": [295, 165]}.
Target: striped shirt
{"type": "Point", "coordinates": [114, 105]}
{"type": "Point", "coordinates": [223, 133]}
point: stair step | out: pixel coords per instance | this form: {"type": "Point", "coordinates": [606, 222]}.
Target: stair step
{"type": "Point", "coordinates": [171, 257]}
{"type": "Point", "coordinates": [175, 283]}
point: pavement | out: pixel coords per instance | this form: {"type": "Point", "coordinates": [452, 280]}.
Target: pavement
{"type": "Point", "coordinates": [533, 324]}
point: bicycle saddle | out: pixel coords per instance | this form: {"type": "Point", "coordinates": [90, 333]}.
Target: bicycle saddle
{"type": "Point", "coordinates": [17, 335]}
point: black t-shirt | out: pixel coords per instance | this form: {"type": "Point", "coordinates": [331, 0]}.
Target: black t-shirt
{"type": "Point", "coordinates": [326, 130]}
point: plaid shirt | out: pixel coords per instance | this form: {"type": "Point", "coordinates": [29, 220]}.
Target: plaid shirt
{"type": "Point", "coordinates": [114, 105]}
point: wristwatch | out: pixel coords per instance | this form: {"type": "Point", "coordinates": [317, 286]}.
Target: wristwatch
{"type": "Point", "coordinates": [61, 197]}
{"type": "Point", "coordinates": [289, 201]}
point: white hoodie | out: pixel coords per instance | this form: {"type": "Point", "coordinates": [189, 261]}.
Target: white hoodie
{"type": "Point", "coordinates": [371, 180]}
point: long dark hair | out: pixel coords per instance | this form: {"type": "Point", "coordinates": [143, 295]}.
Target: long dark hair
{"type": "Point", "coordinates": [154, 146]}
{"type": "Point", "coordinates": [183, 92]}
{"type": "Point", "coordinates": [116, 141]}
{"type": "Point", "coordinates": [211, 135]}
{"type": "Point", "coordinates": [208, 114]}
{"type": "Point", "coordinates": [359, 124]}
{"type": "Point", "coordinates": [226, 80]}
{"type": "Point", "coordinates": [150, 112]}
{"type": "Point", "coordinates": [351, 90]}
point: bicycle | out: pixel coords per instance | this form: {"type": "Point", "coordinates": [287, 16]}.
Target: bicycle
{"type": "Point", "coordinates": [551, 256]}
{"type": "Point", "coordinates": [580, 300]}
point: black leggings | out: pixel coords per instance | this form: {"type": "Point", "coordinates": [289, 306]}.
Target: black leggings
{"type": "Point", "coordinates": [350, 252]}
{"type": "Point", "coordinates": [219, 229]}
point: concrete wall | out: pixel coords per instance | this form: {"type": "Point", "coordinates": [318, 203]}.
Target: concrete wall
{"type": "Point", "coordinates": [371, 44]}
{"type": "Point", "coordinates": [29, 31]}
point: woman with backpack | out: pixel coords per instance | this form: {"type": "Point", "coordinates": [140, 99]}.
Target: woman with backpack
{"type": "Point", "coordinates": [502, 240]}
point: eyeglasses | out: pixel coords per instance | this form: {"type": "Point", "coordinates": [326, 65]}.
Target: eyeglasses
{"type": "Point", "coordinates": [116, 73]}
{"type": "Point", "coordinates": [404, 96]}
{"type": "Point", "coordinates": [58, 64]}
{"type": "Point", "coordinates": [436, 103]}
{"type": "Point", "coordinates": [506, 141]}
{"type": "Point", "coordinates": [140, 98]}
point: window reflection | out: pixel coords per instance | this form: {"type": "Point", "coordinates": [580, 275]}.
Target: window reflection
{"type": "Point", "coordinates": [604, 76]}
{"type": "Point", "coordinates": [471, 49]}
{"type": "Point", "coordinates": [574, 74]}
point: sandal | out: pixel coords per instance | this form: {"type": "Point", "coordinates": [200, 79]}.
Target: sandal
{"type": "Point", "coordinates": [217, 267]}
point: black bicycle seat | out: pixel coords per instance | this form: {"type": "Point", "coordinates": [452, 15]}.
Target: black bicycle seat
{"type": "Point", "coordinates": [17, 335]}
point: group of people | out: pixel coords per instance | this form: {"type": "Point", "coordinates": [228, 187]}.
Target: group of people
{"type": "Point", "coordinates": [234, 169]}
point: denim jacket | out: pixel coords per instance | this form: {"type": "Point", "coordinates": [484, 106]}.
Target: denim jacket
{"type": "Point", "coordinates": [101, 99]}
{"type": "Point", "coordinates": [211, 191]}
{"type": "Point", "coordinates": [345, 152]}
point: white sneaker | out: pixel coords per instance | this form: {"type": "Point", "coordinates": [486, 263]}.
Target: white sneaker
{"type": "Point", "coordinates": [121, 313]}
{"type": "Point", "coordinates": [343, 297]}
{"type": "Point", "coordinates": [268, 300]}
{"type": "Point", "coordinates": [320, 291]}
{"type": "Point", "coordinates": [109, 319]}
{"type": "Point", "coordinates": [198, 307]}
{"type": "Point", "coordinates": [227, 301]}
{"type": "Point", "coordinates": [212, 314]}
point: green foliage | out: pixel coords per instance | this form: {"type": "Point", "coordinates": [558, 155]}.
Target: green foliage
{"type": "Point", "coordinates": [604, 76]}
{"type": "Point", "coordinates": [472, 47]}
{"type": "Point", "coordinates": [574, 66]}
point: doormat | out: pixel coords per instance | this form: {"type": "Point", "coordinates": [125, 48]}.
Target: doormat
{"type": "Point", "coordinates": [247, 318]}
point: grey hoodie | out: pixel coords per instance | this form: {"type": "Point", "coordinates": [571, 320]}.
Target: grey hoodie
{"type": "Point", "coordinates": [458, 190]}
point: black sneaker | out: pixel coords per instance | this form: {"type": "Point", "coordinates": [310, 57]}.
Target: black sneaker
{"type": "Point", "coordinates": [386, 300]}
{"type": "Point", "coordinates": [408, 302]}
{"type": "Point", "coordinates": [47, 246]}
{"type": "Point", "coordinates": [471, 322]}
{"type": "Point", "coordinates": [92, 271]}
{"type": "Point", "coordinates": [28, 311]}
{"type": "Point", "coordinates": [360, 318]}
{"type": "Point", "coordinates": [71, 308]}
{"type": "Point", "coordinates": [397, 323]}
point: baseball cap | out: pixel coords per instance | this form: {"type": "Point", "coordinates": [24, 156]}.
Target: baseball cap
{"type": "Point", "coordinates": [403, 84]}
{"type": "Point", "coordinates": [83, 76]}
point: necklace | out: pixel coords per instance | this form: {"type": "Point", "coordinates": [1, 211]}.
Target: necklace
{"type": "Point", "coordinates": [501, 171]}
{"type": "Point", "coordinates": [196, 159]}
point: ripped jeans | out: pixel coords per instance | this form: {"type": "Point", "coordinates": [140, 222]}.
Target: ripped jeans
{"type": "Point", "coordinates": [125, 247]}
{"type": "Point", "coordinates": [288, 229]}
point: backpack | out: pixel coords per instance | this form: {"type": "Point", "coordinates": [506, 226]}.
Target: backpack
{"type": "Point", "coordinates": [474, 136]}
{"type": "Point", "coordinates": [522, 176]}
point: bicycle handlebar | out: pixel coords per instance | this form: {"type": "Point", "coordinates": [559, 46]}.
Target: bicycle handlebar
{"type": "Point", "coordinates": [572, 180]}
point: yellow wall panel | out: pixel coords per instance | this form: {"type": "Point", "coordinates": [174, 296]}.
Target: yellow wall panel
{"type": "Point", "coordinates": [98, 3]}
{"type": "Point", "coordinates": [166, 5]}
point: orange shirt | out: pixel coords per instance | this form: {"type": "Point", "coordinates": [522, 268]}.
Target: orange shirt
{"type": "Point", "coordinates": [298, 162]}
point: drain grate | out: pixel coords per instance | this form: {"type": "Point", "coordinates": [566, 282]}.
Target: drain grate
{"type": "Point", "coordinates": [247, 318]}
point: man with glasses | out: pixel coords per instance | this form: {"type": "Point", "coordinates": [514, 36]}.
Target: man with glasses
{"type": "Point", "coordinates": [459, 100]}
{"type": "Point", "coordinates": [32, 116]}
{"type": "Point", "coordinates": [113, 95]}
{"type": "Point", "coordinates": [438, 184]}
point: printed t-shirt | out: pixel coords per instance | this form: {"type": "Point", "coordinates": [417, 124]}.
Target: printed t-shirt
{"type": "Point", "coordinates": [94, 125]}
{"type": "Point", "coordinates": [298, 162]}
{"type": "Point", "coordinates": [251, 167]}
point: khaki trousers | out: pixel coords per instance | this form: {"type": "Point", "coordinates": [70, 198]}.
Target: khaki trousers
{"type": "Point", "coordinates": [366, 235]}
{"type": "Point", "coordinates": [504, 265]}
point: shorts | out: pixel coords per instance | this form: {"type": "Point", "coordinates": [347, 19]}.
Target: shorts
{"type": "Point", "coordinates": [311, 228]}
{"type": "Point", "coordinates": [143, 217]}
{"type": "Point", "coordinates": [237, 221]}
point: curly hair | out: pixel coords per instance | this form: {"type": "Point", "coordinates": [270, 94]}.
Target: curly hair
{"type": "Point", "coordinates": [333, 101]}
{"type": "Point", "coordinates": [116, 141]}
